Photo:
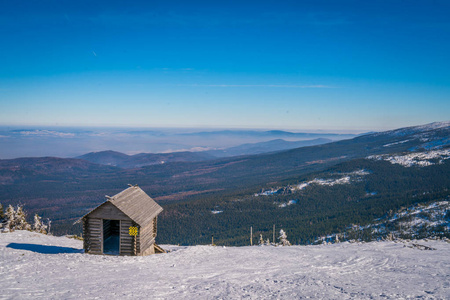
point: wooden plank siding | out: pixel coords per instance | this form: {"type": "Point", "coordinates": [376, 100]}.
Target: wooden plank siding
{"type": "Point", "coordinates": [95, 233]}
{"type": "Point", "coordinates": [155, 226]}
{"type": "Point", "coordinates": [85, 236]}
{"type": "Point", "coordinates": [132, 207]}
{"type": "Point", "coordinates": [147, 237]}
{"type": "Point", "coordinates": [109, 211]}
{"type": "Point", "coordinates": [126, 240]}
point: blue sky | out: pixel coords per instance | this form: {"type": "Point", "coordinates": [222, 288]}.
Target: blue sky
{"type": "Point", "coordinates": [331, 65]}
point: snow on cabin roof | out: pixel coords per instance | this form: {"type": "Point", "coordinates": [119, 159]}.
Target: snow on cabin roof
{"type": "Point", "coordinates": [135, 203]}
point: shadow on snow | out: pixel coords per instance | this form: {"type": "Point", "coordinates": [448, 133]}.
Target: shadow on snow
{"type": "Point", "coordinates": [44, 249]}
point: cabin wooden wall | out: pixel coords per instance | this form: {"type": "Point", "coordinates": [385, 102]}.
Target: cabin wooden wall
{"type": "Point", "coordinates": [108, 211]}
{"type": "Point", "coordinates": [126, 240]}
{"type": "Point", "coordinates": [147, 238]}
{"type": "Point", "coordinates": [93, 232]}
{"type": "Point", "coordinates": [85, 236]}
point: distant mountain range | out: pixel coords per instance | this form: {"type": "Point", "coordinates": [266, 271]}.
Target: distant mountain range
{"type": "Point", "coordinates": [114, 158]}
{"type": "Point", "coordinates": [117, 159]}
{"type": "Point", "coordinates": [74, 142]}
{"type": "Point", "coordinates": [270, 133]}
{"type": "Point", "coordinates": [65, 189]}
{"type": "Point", "coordinates": [265, 147]}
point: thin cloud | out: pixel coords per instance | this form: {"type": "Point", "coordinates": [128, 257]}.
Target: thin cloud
{"type": "Point", "coordinates": [46, 133]}
{"type": "Point", "coordinates": [295, 86]}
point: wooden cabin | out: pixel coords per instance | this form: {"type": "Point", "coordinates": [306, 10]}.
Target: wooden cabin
{"type": "Point", "coordinates": [125, 224]}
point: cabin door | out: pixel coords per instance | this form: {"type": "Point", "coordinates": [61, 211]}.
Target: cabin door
{"type": "Point", "coordinates": [111, 237]}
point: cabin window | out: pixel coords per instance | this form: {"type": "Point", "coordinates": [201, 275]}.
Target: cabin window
{"type": "Point", "coordinates": [111, 237]}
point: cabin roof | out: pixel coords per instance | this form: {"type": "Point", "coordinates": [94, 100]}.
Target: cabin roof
{"type": "Point", "coordinates": [135, 203]}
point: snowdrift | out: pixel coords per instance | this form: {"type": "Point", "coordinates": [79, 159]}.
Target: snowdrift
{"type": "Point", "coordinates": [36, 266]}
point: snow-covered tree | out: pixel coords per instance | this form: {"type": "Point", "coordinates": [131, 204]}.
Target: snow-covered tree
{"type": "Point", "coordinates": [16, 219]}
{"type": "Point", "coordinates": [261, 240]}
{"type": "Point", "coordinates": [39, 225]}
{"type": "Point", "coordinates": [283, 238]}
{"type": "Point", "coordinates": [10, 217]}
{"type": "Point", "coordinates": [10, 214]}
{"type": "Point", "coordinates": [2, 215]}
{"type": "Point", "coordinates": [21, 219]}
{"type": "Point", "coordinates": [49, 225]}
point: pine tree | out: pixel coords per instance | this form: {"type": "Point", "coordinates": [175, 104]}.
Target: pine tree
{"type": "Point", "coordinates": [261, 240]}
{"type": "Point", "coordinates": [2, 215]}
{"type": "Point", "coordinates": [21, 219]}
{"type": "Point", "coordinates": [38, 225]}
{"type": "Point", "coordinates": [10, 218]}
{"type": "Point", "coordinates": [283, 238]}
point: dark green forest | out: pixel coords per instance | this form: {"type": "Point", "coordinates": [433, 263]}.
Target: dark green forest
{"type": "Point", "coordinates": [320, 210]}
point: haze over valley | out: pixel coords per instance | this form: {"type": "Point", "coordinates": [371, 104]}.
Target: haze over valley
{"type": "Point", "coordinates": [72, 142]}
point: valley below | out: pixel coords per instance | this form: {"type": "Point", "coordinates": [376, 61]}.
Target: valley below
{"type": "Point", "coordinates": [310, 191]}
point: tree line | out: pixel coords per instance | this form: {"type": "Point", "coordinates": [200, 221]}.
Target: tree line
{"type": "Point", "coordinates": [16, 219]}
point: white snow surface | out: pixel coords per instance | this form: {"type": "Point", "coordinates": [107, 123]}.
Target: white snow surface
{"type": "Point", "coordinates": [396, 143]}
{"type": "Point", "coordinates": [36, 266]}
{"type": "Point", "coordinates": [421, 159]}
{"type": "Point", "coordinates": [434, 125]}
{"type": "Point", "coordinates": [416, 129]}
{"type": "Point", "coordinates": [285, 204]}
{"type": "Point", "coordinates": [355, 175]}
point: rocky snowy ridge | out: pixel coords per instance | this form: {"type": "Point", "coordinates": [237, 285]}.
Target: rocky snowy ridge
{"type": "Point", "coordinates": [418, 129]}
{"type": "Point", "coordinates": [36, 266]}
{"type": "Point", "coordinates": [430, 136]}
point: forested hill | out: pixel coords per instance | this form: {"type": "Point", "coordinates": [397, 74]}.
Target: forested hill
{"type": "Point", "coordinates": [316, 204]}
{"type": "Point", "coordinates": [121, 160]}
{"type": "Point", "coordinates": [65, 189]}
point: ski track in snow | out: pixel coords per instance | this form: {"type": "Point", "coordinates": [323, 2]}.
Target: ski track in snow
{"type": "Point", "coordinates": [377, 270]}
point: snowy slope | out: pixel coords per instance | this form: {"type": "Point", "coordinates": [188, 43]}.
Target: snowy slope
{"type": "Point", "coordinates": [421, 159]}
{"type": "Point", "coordinates": [34, 266]}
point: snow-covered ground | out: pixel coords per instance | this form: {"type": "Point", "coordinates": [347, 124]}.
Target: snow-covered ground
{"type": "Point", "coordinates": [421, 159]}
{"type": "Point", "coordinates": [414, 222]}
{"type": "Point", "coordinates": [35, 266]}
{"type": "Point", "coordinates": [346, 178]}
